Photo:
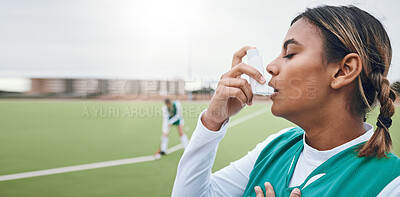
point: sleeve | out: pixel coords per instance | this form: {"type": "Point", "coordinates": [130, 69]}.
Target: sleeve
{"type": "Point", "coordinates": [392, 189]}
{"type": "Point", "coordinates": [194, 170]}
{"type": "Point", "coordinates": [178, 113]}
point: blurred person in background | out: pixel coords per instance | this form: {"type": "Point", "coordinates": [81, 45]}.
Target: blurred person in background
{"type": "Point", "coordinates": [172, 115]}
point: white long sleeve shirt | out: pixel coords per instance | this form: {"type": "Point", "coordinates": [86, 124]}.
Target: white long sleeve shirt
{"type": "Point", "coordinates": [194, 170]}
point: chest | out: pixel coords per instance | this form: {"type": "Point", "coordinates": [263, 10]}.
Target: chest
{"type": "Point", "coordinates": [342, 175]}
{"type": "Point", "coordinates": [172, 110]}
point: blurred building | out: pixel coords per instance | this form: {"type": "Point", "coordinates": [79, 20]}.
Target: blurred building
{"type": "Point", "coordinates": [106, 87]}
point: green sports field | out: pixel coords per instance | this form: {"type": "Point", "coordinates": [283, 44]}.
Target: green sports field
{"type": "Point", "coordinates": [43, 134]}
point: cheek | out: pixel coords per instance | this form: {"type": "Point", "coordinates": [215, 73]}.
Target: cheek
{"type": "Point", "coordinates": [305, 78]}
{"type": "Point", "coordinates": [303, 81]}
{"type": "Point", "coordinates": [310, 86]}
{"type": "Point", "coordinates": [300, 96]}
{"type": "Point", "coordinates": [303, 90]}
{"type": "Point", "coordinates": [298, 82]}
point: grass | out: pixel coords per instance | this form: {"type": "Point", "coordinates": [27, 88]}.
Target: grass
{"type": "Point", "coordinates": [37, 135]}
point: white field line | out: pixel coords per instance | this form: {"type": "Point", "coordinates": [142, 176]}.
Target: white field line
{"type": "Point", "coordinates": [113, 162]}
{"type": "Point", "coordinates": [76, 168]}
{"type": "Point", "coordinates": [247, 117]}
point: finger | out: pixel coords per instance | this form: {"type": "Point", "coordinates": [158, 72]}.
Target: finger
{"type": "Point", "coordinates": [269, 190]}
{"type": "Point", "coordinates": [237, 57]}
{"type": "Point", "coordinates": [259, 192]}
{"type": "Point", "coordinates": [295, 193]}
{"type": "Point", "coordinates": [243, 68]}
{"type": "Point", "coordinates": [242, 84]}
{"type": "Point", "coordinates": [231, 92]}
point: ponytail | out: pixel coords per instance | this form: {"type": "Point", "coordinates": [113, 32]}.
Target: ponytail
{"type": "Point", "coordinates": [381, 143]}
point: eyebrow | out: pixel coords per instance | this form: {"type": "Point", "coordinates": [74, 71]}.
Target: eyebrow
{"type": "Point", "coordinates": [290, 41]}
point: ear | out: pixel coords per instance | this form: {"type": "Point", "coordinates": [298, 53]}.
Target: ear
{"type": "Point", "coordinates": [347, 70]}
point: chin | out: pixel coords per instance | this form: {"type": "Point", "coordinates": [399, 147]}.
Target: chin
{"type": "Point", "coordinates": [275, 109]}
{"type": "Point", "coordinates": [280, 110]}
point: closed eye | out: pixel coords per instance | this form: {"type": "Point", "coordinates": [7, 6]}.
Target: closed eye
{"type": "Point", "coordinates": [289, 56]}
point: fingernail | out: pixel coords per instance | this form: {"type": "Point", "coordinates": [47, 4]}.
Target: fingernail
{"type": "Point", "coordinates": [244, 104]}
{"type": "Point", "coordinates": [262, 79]}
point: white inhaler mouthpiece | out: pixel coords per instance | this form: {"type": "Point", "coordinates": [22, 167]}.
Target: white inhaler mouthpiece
{"type": "Point", "coordinates": [255, 61]}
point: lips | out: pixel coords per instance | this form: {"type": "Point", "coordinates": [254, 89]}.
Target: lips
{"type": "Point", "coordinates": [270, 84]}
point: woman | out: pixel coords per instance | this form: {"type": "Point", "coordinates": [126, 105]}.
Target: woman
{"type": "Point", "coordinates": [333, 152]}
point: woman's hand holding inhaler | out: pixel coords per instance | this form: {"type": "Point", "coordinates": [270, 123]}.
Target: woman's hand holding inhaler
{"type": "Point", "coordinates": [232, 92]}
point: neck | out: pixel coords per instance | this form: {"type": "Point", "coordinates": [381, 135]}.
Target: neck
{"type": "Point", "coordinates": [325, 131]}
{"type": "Point", "coordinates": [329, 138]}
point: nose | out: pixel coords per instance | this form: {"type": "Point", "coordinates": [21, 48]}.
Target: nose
{"type": "Point", "coordinates": [272, 68]}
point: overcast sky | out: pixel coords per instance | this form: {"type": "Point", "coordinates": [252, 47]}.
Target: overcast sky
{"type": "Point", "coordinates": [152, 39]}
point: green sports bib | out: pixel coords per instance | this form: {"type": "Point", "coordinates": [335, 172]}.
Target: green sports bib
{"type": "Point", "coordinates": [344, 174]}
{"type": "Point", "coordinates": [172, 111]}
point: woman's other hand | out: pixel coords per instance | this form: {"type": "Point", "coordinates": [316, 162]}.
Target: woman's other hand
{"type": "Point", "coordinates": [269, 191]}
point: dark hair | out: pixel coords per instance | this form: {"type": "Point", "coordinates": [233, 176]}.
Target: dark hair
{"type": "Point", "coordinates": [348, 29]}
{"type": "Point", "coordinates": [167, 101]}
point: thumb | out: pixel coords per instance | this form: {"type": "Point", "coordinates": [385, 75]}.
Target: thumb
{"type": "Point", "coordinates": [295, 193]}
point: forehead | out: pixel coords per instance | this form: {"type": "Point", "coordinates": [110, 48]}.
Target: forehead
{"type": "Point", "coordinates": [307, 34]}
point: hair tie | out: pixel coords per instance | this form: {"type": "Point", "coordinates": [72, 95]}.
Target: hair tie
{"type": "Point", "coordinates": [384, 121]}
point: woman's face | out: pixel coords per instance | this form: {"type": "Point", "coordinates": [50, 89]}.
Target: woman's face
{"type": "Point", "coordinates": [298, 73]}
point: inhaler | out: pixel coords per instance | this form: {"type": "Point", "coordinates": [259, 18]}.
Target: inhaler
{"type": "Point", "coordinates": [254, 60]}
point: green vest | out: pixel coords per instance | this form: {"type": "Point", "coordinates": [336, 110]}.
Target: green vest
{"type": "Point", "coordinates": [172, 111]}
{"type": "Point", "coordinates": [345, 174]}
